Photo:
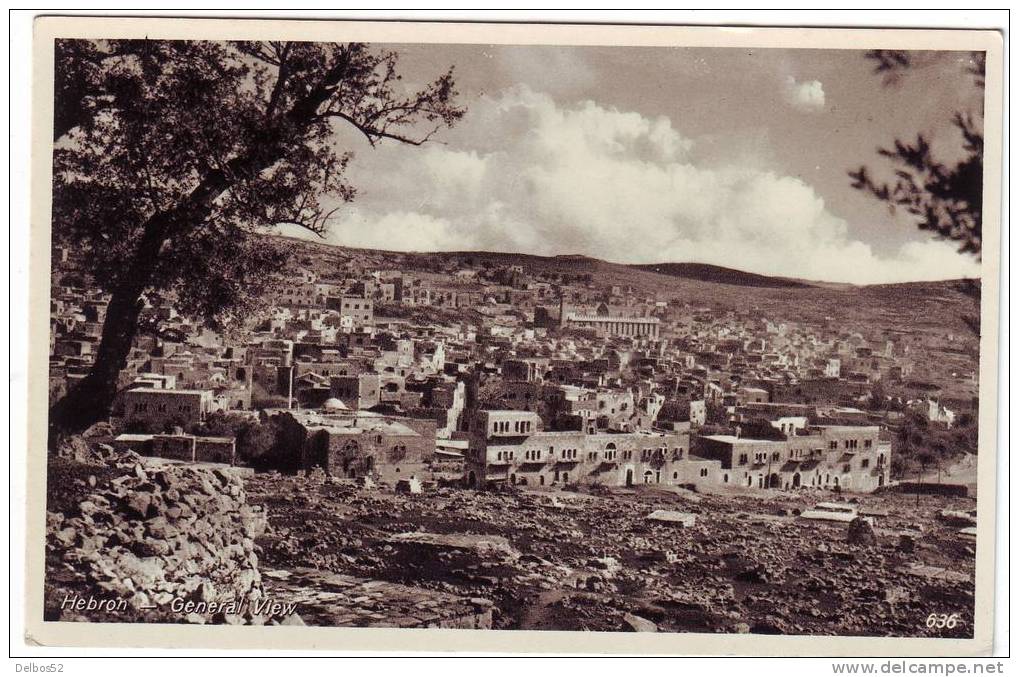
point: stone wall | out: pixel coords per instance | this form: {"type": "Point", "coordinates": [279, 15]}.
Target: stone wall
{"type": "Point", "coordinates": [156, 536]}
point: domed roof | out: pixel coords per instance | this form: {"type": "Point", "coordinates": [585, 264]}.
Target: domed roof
{"type": "Point", "coordinates": [333, 403]}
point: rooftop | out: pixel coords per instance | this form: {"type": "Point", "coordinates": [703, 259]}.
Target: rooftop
{"type": "Point", "coordinates": [607, 318]}
{"type": "Point", "coordinates": [732, 439]}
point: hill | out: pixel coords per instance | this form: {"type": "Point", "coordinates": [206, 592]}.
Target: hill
{"type": "Point", "coordinates": [926, 307]}
{"type": "Point", "coordinates": [710, 273]}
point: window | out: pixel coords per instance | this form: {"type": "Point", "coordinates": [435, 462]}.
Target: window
{"type": "Point", "coordinates": [867, 444]}
{"type": "Point", "coordinates": [865, 463]}
{"type": "Point", "coordinates": [704, 472]}
{"type": "Point", "coordinates": [833, 444]}
{"type": "Point", "coordinates": [742, 459]}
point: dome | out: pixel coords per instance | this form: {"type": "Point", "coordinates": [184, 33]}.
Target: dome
{"type": "Point", "coordinates": [333, 403]}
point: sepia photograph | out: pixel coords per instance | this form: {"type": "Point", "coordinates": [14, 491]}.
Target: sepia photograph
{"type": "Point", "coordinates": [607, 331]}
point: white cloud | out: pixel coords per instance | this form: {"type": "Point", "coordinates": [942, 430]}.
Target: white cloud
{"type": "Point", "coordinates": [529, 175]}
{"type": "Point", "coordinates": [806, 96]}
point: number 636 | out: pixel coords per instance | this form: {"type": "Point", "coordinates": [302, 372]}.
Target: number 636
{"type": "Point", "coordinates": [943, 621]}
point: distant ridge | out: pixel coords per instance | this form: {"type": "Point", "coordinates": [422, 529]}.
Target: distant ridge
{"type": "Point", "coordinates": [709, 273]}
{"type": "Point", "coordinates": [614, 273]}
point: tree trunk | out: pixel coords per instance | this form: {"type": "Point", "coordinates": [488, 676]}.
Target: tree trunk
{"type": "Point", "coordinates": [91, 399]}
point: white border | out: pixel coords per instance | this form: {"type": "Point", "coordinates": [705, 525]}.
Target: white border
{"type": "Point", "coordinates": [20, 244]}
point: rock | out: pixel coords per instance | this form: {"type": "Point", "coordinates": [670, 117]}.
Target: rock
{"type": "Point", "coordinates": [148, 544]}
{"type": "Point", "coordinates": [293, 619]}
{"type": "Point", "coordinates": [138, 503]}
{"type": "Point", "coordinates": [67, 536]}
{"type": "Point", "coordinates": [673, 518]}
{"type": "Point", "coordinates": [409, 486]}
{"type": "Point", "coordinates": [754, 574]}
{"type": "Point", "coordinates": [634, 623]}
{"type": "Point", "coordinates": [101, 429]}
{"type": "Point", "coordinates": [860, 532]}
{"type": "Point", "coordinates": [907, 543]}
{"type": "Point", "coordinates": [957, 518]}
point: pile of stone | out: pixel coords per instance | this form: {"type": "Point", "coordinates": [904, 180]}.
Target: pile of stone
{"type": "Point", "coordinates": [161, 535]}
{"type": "Point", "coordinates": [88, 448]}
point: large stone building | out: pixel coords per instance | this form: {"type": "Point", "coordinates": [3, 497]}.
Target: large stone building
{"type": "Point", "coordinates": [167, 407]}
{"type": "Point", "coordinates": [850, 458]}
{"type": "Point", "coordinates": [638, 327]}
{"type": "Point", "coordinates": [353, 446]}
{"type": "Point", "coordinates": [360, 310]}
{"type": "Point", "coordinates": [507, 447]}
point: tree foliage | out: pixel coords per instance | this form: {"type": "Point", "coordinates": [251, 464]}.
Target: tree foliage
{"type": "Point", "coordinates": [920, 443]}
{"type": "Point", "coordinates": [173, 158]}
{"type": "Point", "coordinates": [945, 197]}
{"type": "Point", "coordinates": [202, 145]}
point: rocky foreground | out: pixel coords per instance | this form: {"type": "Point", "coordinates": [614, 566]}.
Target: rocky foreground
{"type": "Point", "coordinates": [629, 559]}
{"type": "Point", "coordinates": [152, 541]}
{"type": "Point", "coordinates": [133, 539]}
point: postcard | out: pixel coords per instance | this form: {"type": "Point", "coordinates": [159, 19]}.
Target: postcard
{"type": "Point", "coordinates": [513, 337]}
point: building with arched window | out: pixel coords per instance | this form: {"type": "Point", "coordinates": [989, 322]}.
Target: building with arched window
{"type": "Point", "coordinates": [508, 447]}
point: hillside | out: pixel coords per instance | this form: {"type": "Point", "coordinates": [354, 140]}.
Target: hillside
{"type": "Point", "coordinates": [928, 307]}
{"type": "Point", "coordinates": [710, 273]}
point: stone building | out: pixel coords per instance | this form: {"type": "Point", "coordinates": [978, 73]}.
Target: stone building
{"type": "Point", "coordinates": [347, 445]}
{"type": "Point", "coordinates": [850, 458]}
{"type": "Point", "coordinates": [508, 447]}
{"type": "Point", "coordinates": [359, 310]}
{"type": "Point", "coordinates": [638, 327]}
{"type": "Point", "coordinates": [180, 447]}
{"type": "Point", "coordinates": [358, 391]}
{"type": "Point", "coordinates": [167, 407]}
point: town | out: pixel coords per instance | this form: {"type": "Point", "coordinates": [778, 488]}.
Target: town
{"type": "Point", "coordinates": [501, 376]}
{"type": "Point", "coordinates": [513, 399]}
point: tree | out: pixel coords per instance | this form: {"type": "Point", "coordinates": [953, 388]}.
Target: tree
{"type": "Point", "coordinates": [173, 158]}
{"type": "Point", "coordinates": [946, 198]}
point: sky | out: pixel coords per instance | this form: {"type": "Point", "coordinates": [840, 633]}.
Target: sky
{"type": "Point", "coordinates": [727, 156]}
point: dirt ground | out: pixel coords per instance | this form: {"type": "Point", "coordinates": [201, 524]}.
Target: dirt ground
{"type": "Point", "coordinates": [561, 560]}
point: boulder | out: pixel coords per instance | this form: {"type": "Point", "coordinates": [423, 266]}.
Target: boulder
{"type": "Point", "coordinates": [634, 623]}
{"type": "Point", "coordinates": [860, 532]}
